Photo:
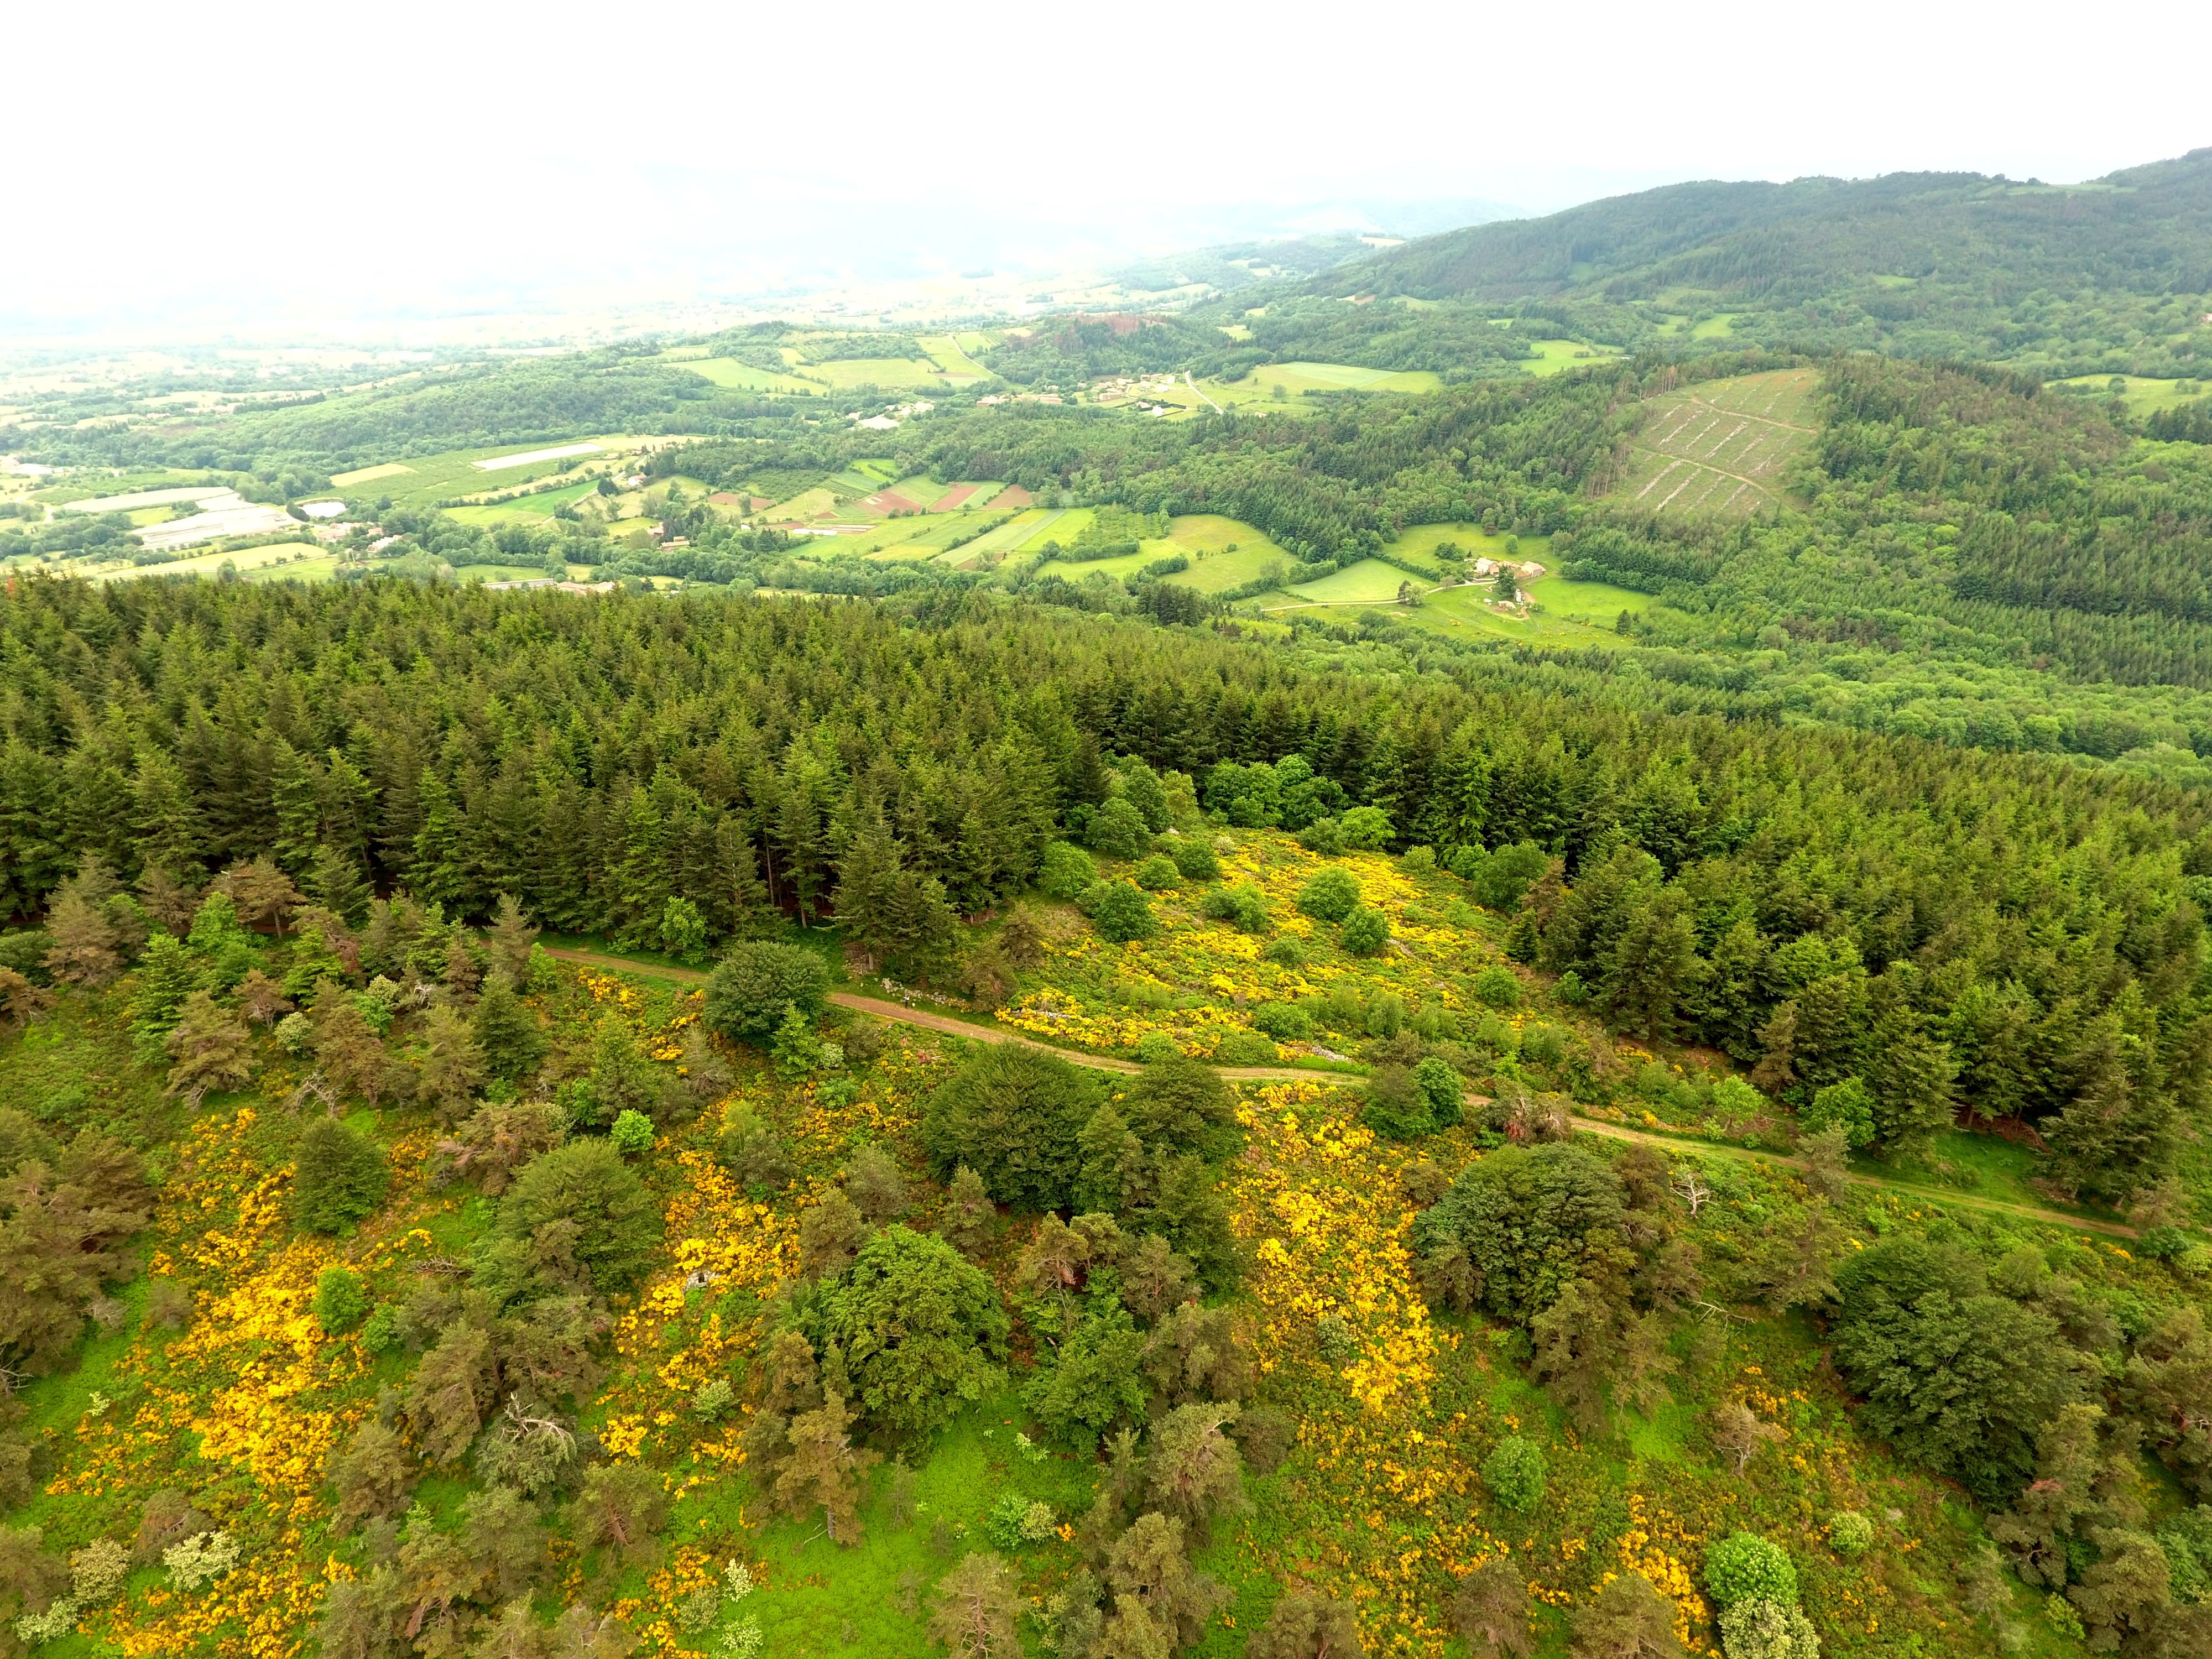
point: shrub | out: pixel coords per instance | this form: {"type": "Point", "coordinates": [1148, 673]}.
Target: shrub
{"type": "Point", "coordinates": [1118, 829]}
{"type": "Point", "coordinates": [1286, 1021]}
{"type": "Point", "coordinates": [1760, 1629]}
{"type": "Point", "coordinates": [1245, 1048]}
{"type": "Point", "coordinates": [1012, 1113]}
{"type": "Point", "coordinates": [1850, 1533]}
{"type": "Point", "coordinates": [1014, 1521]}
{"type": "Point", "coordinates": [1284, 952]}
{"type": "Point", "coordinates": [1394, 1106]}
{"type": "Point", "coordinates": [920, 1326]}
{"type": "Point", "coordinates": [1442, 1091]}
{"type": "Point", "coordinates": [1156, 1046]}
{"type": "Point", "coordinates": [1158, 873]}
{"type": "Point", "coordinates": [1847, 1106]}
{"type": "Point", "coordinates": [1122, 915]}
{"type": "Point", "coordinates": [1067, 870]}
{"type": "Point", "coordinates": [1498, 987]}
{"type": "Point", "coordinates": [1745, 1567]}
{"type": "Point", "coordinates": [1516, 1474]}
{"type": "Point", "coordinates": [1331, 896]}
{"type": "Point", "coordinates": [1324, 835]}
{"type": "Point", "coordinates": [632, 1134]}
{"type": "Point", "coordinates": [1531, 1220]}
{"type": "Point", "coordinates": [341, 1299]}
{"type": "Point", "coordinates": [338, 1176]}
{"type": "Point", "coordinates": [586, 1183]}
{"type": "Point", "coordinates": [1498, 879]}
{"type": "Point", "coordinates": [1195, 860]}
{"type": "Point", "coordinates": [754, 983]}
{"type": "Point", "coordinates": [1365, 932]}
{"type": "Point", "coordinates": [1243, 907]}
{"type": "Point", "coordinates": [1419, 862]}
{"type": "Point", "coordinates": [1367, 828]}
{"type": "Point", "coordinates": [200, 1559]}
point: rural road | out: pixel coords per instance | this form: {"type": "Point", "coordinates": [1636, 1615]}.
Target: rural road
{"type": "Point", "coordinates": [946, 1024]}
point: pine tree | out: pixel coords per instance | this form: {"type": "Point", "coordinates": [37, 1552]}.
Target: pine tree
{"type": "Point", "coordinates": [170, 827]}
{"type": "Point", "coordinates": [823, 1470]}
{"type": "Point", "coordinates": [338, 1176]}
{"type": "Point", "coordinates": [453, 1066]}
{"type": "Point", "coordinates": [969, 1216]}
{"type": "Point", "coordinates": [85, 944]}
{"type": "Point", "coordinates": [977, 1607]}
{"type": "Point", "coordinates": [1491, 1610]}
{"type": "Point", "coordinates": [438, 870]}
{"type": "Point", "coordinates": [350, 1055]}
{"type": "Point", "coordinates": [863, 898]}
{"type": "Point", "coordinates": [212, 1046]}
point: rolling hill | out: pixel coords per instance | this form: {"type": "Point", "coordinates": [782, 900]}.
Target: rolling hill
{"type": "Point", "coordinates": [2109, 274]}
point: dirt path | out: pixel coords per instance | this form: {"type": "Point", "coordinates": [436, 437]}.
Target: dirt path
{"type": "Point", "coordinates": [2026, 1212]}
{"type": "Point", "coordinates": [944, 1023]}
{"type": "Point", "coordinates": [951, 1027]}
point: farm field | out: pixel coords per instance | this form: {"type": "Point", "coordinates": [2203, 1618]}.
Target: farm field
{"type": "Point", "coordinates": [529, 510]}
{"type": "Point", "coordinates": [1553, 356]}
{"type": "Point", "coordinates": [1370, 581]}
{"type": "Point", "coordinates": [2143, 397]}
{"type": "Point", "coordinates": [892, 373]}
{"type": "Point", "coordinates": [741, 377]}
{"type": "Point", "coordinates": [1215, 568]}
{"type": "Point", "coordinates": [434, 478]}
{"type": "Point", "coordinates": [1297, 379]}
{"type": "Point", "coordinates": [1720, 448]}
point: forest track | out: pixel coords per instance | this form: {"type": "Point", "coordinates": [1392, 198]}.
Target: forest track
{"type": "Point", "coordinates": [1926, 1194]}
{"type": "Point", "coordinates": [951, 1027]}
{"type": "Point", "coordinates": [944, 1023]}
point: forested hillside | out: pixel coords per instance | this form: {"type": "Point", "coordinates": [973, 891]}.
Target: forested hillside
{"type": "Point", "coordinates": [388, 1286]}
{"type": "Point", "coordinates": [1920, 265]}
{"type": "Point", "coordinates": [2005, 933]}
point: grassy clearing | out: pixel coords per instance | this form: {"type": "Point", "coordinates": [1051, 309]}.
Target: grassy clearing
{"type": "Point", "coordinates": [1594, 601]}
{"type": "Point", "coordinates": [1293, 380]}
{"type": "Point", "coordinates": [889, 373]}
{"type": "Point", "coordinates": [1714, 328]}
{"type": "Point", "coordinates": [1370, 581]}
{"type": "Point", "coordinates": [2143, 397]}
{"type": "Point", "coordinates": [742, 377]}
{"type": "Point", "coordinates": [1552, 357]}
{"type": "Point", "coordinates": [1721, 448]}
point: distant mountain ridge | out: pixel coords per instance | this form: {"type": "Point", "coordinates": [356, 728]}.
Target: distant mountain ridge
{"type": "Point", "coordinates": [2143, 230]}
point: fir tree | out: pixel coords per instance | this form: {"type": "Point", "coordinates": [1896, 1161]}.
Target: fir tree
{"type": "Point", "coordinates": [338, 1176]}
{"type": "Point", "coordinates": [296, 794]}
{"type": "Point", "coordinates": [507, 1032]}
{"type": "Point", "coordinates": [166, 975]}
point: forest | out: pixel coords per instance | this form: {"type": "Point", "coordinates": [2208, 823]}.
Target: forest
{"type": "Point", "coordinates": [459, 1210]}
{"type": "Point", "coordinates": [2102, 276]}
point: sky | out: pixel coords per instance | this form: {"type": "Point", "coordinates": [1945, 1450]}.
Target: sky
{"type": "Point", "coordinates": [176, 166]}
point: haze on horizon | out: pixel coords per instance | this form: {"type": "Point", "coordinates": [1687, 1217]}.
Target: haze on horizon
{"type": "Point", "coordinates": [413, 159]}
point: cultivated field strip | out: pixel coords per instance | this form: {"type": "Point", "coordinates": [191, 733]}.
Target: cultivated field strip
{"type": "Point", "coordinates": [1720, 448]}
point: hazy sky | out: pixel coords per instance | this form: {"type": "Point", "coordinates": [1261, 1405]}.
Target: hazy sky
{"type": "Point", "coordinates": [346, 155]}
